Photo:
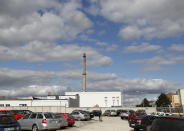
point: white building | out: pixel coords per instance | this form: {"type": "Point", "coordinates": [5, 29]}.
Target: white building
{"type": "Point", "coordinates": [101, 99]}
{"type": "Point", "coordinates": [70, 99]}
{"type": "Point", "coordinates": [67, 101]}
{"type": "Point", "coordinates": [7, 103]}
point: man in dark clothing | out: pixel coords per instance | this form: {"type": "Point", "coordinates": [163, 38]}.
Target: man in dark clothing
{"type": "Point", "coordinates": [99, 115]}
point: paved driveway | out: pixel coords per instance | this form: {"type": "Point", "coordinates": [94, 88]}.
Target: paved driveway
{"type": "Point", "coordinates": [108, 124]}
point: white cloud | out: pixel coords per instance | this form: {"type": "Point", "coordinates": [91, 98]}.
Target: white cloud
{"type": "Point", "coordinates": [130, 32]}
{"type": "Point", "coordinates": [112, 48]}
{"type": "Point", "coordinates": [142, 18]}
{"type": "Point", "coordinates": [34, 90]}
{"type": "Point", "coordinates": [15, 85]}
{"type": "Point", "coordinates": [156, 63]}
{"type": "Point", "coordinates": [43, 52]}
{"type": "Point", "coordinates": [20, 22]}
{"type": "Point", "coordinates": [144, 47]}
{"type": "Point", "coordinates": [177, 47]}
{"type": "Point", "coordinates": [101, 43]}
{"type": "Point", "coordinates": [9, 78]}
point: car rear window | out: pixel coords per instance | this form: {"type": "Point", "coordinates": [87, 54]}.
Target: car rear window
{"type": "Point", "coordinates": [48, 115]}
{"type": "Point", "coordinates": [7, 119]}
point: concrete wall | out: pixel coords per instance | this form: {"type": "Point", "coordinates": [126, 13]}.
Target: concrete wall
{"type": "Point", "coordinates": [69, 110]}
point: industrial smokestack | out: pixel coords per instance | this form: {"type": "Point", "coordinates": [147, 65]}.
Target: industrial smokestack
{"type": "Point", "coordinates": [84, 73]}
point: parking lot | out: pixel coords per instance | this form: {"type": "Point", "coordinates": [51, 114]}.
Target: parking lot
{"type": "Point", "coordinates": [108, 124]}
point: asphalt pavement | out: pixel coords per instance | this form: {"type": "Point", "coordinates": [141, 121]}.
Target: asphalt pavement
{"type": "Point", "coordinates": [107, 124]}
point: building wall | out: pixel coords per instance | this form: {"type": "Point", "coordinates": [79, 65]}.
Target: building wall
{"type": "Point", "coordinates": [34, 103]}
{"type": "Point", "coordinates": [95, 99]}
{"type": "Point", "coordinates": [175, 100]}
{"type": "Point", "coordinates": [181, 96]}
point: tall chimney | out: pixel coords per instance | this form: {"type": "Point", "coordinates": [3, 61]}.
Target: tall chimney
{"type": "Point", "coordinates": [84, 73]}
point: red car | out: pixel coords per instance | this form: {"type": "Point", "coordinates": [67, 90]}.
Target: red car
{"type": "Point", "coordinates": [14, 114]}
{"type": "Point", "coordinates": [133, 115]}
{"type": "Point", "coordinates": [70, 119]}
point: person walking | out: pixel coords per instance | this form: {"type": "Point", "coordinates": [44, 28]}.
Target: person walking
{"type": "Point", "coordinates": [100, 115]}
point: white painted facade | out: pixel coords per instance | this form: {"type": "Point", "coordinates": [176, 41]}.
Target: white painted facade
{"type": "Point", "coordinates": [101, 99]}
{"type": "Point", "coordinates": [33, 103]}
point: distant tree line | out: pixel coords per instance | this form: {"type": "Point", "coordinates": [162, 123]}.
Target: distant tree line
{"type": "Point", "coordinates": [162, 101]}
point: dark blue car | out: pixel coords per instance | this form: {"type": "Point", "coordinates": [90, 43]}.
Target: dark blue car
{"type": "Point", "coordinates": [8, 123]}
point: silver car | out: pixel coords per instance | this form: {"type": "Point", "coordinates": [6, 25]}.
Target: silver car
{"type": "Point", "coordinates": [62, 120]}
{"type": "Point", "coordinates": [39, 121]}
{"type": "Point", "coordinates": [80, 115]}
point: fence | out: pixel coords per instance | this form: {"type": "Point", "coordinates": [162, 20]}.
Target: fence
{"type": "Point", "coordinates": [170, 109]}
{"type": "Point", "coordinates": [70, 109]}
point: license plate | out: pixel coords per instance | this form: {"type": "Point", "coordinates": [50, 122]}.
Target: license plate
{"type": "Point", "coordinates": [132, 124]}
{"type": "Point", "coordinates": [10, 129]}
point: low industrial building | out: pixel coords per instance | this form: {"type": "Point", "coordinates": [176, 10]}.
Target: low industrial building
{"type": "Point", "coordinates": [70, 99]}
{"type": "Point", "coordinates": [54, 100]}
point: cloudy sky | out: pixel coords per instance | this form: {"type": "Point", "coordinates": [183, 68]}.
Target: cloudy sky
{"type": "Point", "coordinates": [132, 46]}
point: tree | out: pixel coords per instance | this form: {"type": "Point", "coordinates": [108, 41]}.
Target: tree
{"type": "Point", "coordinates": [163, 101]}
{"type": "Point", "coordinates": [144, 103]}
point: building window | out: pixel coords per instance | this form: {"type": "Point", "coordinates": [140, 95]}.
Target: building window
{"type": "Point", "coordinates": [105, 101]}
{"type": "Point", "coordinates": [22, 104]}
{"type": "Point", "coordinates": [113, 101]}
{"type": "Point", "coordinates": [7, 105]}
{"type": "Point", "coordinates": [1, 105]}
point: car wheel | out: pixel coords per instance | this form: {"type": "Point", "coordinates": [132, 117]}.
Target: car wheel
{"type": "Point", "coordinates": [34, 128]}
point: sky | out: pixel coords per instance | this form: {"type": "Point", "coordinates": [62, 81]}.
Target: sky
{"type": "Point", "coordinates": [132, 46]}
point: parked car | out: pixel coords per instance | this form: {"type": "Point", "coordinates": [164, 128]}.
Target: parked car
{"type": "Point", "coordinates": [87, 112]}
{"type": "Point", "coordinates": [106, 113]}
{"type": "Point", "coordinates": [160, 114]}
{"type": "Point", "coordinates": [9, 123]}
{"type": "Point", "coordinates": [14, 114]}
{"type": "Point", "coordinates": [133, 114]}
{"type": "Point", "coordinates": [62, 120]}
{"type": "Point", "coordinates": [79, 115]}
{"type": "Point", "coordinates": [22, 112]}
{"type": "Point", "coordinates": [140, 112]}
{"type": "Point", "coordinates": [96, 112]}
{"type": "Point", "coordinates": [110, 113]}
{"type": "Point", "coordinates": [70, 119]}
{"type": "Point", "coordinates": [168, 123]}
{"type": "Point", "coordinates": [124, 114]}
{"type": "Point", "coordinates": [39, 121]}
{"type": "Point", "coordinates": [119, 111]}
{"type": "Point", "coordinates": [142, 122]}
